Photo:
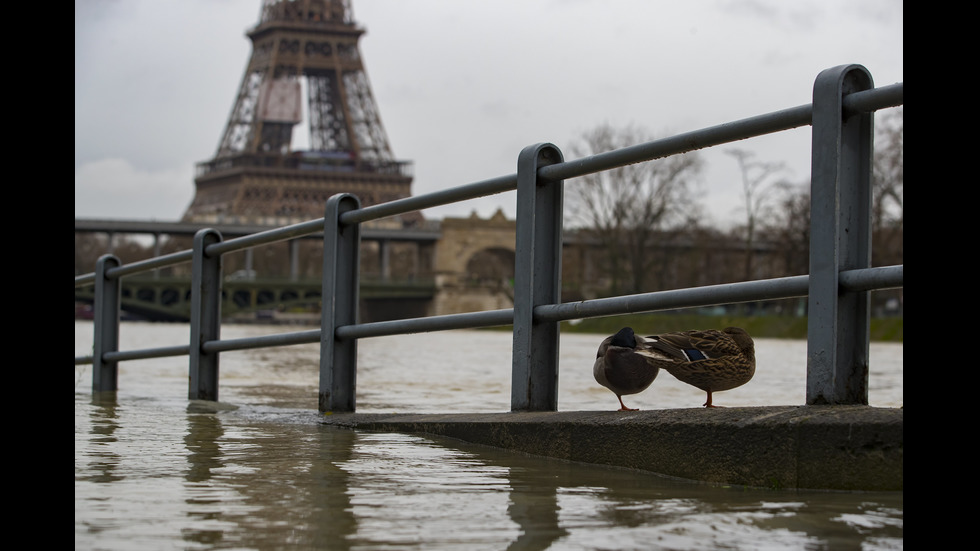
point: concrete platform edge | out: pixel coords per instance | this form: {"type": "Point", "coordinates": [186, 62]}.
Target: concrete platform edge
{"type": "Point", "coordinates": [807, 447]}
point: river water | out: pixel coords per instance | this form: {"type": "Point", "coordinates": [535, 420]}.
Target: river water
{"type": "Point", "coordinates": [257, 471]}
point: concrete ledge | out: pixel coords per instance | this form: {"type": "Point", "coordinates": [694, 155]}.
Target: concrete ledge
{"type": "Point", "coordinates": [813, 447]}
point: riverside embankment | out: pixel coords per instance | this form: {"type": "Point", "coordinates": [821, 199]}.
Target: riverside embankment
{"type": "Point", "coordinates": [811, 447]}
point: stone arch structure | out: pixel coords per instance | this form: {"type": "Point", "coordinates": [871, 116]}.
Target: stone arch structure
{"type": "Point", "coordinates": [474, 264]}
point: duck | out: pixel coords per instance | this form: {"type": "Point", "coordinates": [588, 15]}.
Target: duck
{"type": "Point", "coordinates": [711, 360]}
{"type": "Point", "coordinates": [619, 368]}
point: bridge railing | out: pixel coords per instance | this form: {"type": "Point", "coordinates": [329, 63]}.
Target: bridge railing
{"type": "Point", "coordinates": [837, 287]}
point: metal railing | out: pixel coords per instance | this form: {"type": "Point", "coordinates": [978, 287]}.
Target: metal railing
{"type": "Point", "coordinates": [837, 286]}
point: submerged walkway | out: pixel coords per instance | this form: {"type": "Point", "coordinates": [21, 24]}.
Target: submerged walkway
{"type": "Point", "coordinates": [814, 447]}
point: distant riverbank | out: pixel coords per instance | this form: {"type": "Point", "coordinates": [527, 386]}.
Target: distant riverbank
{"type": "Point", "coordinates": [889, 329]}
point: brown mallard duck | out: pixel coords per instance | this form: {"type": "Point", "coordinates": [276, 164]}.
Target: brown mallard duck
{"type": "Point", "coordinates": [620, 369]}
{"type": "Point", "coordinates": [711, 360]}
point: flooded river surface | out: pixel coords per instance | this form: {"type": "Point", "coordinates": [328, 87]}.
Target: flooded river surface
{"type": "Point", "coordinates": [256, 470]}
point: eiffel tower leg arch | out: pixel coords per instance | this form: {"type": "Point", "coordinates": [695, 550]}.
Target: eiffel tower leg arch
{"type": "Point", "coordinates": [257, 176]}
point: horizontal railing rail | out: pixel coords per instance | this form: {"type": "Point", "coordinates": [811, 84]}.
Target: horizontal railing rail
{"type": "Point", "coordinates": [837, 286]}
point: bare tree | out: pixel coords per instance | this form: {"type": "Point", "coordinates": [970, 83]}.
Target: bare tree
{"type": "Point", "coordinates": [88, 248]}
{"type": "Point", "coordinates": [790, 230]}
{"type": "Point", "coordinates": [888, 205]}
{"type": "Point", "coordinates": [757, 181]}
{"type": "Point", "coordinates": [626, 207]}
{"type": "Point", "coordinates": [889, 168]}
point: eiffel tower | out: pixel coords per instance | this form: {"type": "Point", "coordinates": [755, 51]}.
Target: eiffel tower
{"type": "Point", "coordinates": [257, 177]}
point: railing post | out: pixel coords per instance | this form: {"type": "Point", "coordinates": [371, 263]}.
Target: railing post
{"type": "Point", "coordinates": [341, 270]}
{"type": "Point", "coordinates": [205, 317]}
{"type": "Point", "coordinates": [537, 281]}
{"type": "Point", "coordinates": [105, 375]}
{"type": "Point", "coordinates": [838, 331]}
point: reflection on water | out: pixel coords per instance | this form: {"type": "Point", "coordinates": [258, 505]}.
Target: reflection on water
{"type": "Point", "coordinates": [153, 471]}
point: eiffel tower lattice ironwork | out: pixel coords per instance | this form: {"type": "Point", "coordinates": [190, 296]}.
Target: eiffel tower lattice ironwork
{"type": "Point", "coordinates": [256, 175]}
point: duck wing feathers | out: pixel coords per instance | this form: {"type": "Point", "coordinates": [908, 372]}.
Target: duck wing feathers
{"type": "Point", "coordinates": [690, 346]}
{"type": "Point", "coordinates": [707, 359]}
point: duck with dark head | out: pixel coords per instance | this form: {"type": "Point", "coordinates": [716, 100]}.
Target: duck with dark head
{"type": "Point", "coordinates": [620, 368]}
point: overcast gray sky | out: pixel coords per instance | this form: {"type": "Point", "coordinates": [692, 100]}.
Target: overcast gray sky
{"type": "Point", "coordinates": [463, 86]}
